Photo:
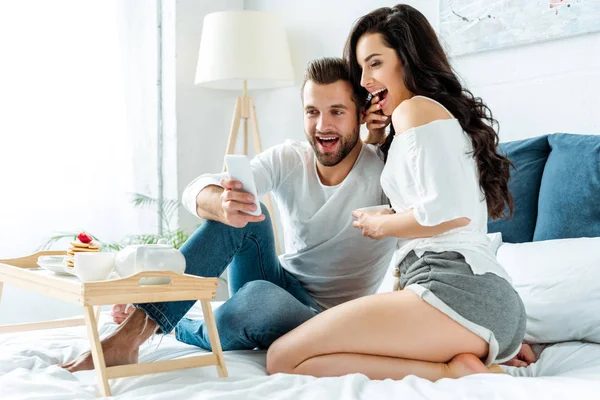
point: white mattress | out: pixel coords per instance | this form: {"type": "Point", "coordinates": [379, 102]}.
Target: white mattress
{"type": "Point", "coordinates": [28, 371]}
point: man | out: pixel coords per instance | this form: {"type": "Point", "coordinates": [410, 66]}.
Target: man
{"type": "Point", "coordinates": [317, 184]}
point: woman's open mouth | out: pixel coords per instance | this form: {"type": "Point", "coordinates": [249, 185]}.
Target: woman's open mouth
{"type": "Point", "coordinates": [327, 143]}
{"type": "Point", "coordinates": [383, 95]}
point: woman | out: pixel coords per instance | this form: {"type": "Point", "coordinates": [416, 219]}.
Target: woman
{"type": "Point", "coordinates": [458, 312]}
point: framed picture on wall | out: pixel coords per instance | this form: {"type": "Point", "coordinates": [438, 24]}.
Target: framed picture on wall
{"type": "Point", "coordinates": [470, 26]}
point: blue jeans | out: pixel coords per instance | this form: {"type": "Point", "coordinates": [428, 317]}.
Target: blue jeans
{"type": "Point", "coordinates": [266, 301]}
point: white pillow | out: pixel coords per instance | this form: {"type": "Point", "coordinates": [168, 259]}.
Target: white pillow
{"type": "Point", "coordinates": [495, 241]}
{"type": "Point", "coordinates": [559, 282]}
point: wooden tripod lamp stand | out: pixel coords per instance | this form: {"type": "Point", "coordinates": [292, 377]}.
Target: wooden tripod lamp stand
{"type": "Point", "coordinates": [244, 50]}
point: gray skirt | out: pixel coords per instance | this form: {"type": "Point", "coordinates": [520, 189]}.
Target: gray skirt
{"type": "Point", "coordinates": [485, 304]}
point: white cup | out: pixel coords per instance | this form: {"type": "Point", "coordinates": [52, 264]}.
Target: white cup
{"type": "Point", "coordinates": [374, 208]}
{"type": "Point", "coordinates": [94, 266]}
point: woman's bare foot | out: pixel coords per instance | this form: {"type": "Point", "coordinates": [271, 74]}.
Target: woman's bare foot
{"type": "Point", "coordinates": [120, 348]}
{"type": "Point", "coordinates": [496, 369]}
{"type": "Point", "coordinates": [466, 364]}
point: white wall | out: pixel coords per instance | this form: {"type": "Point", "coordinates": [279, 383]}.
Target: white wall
{"type": "Point", "coordinates": [532, 90]}
{"type": "Point", "coordinates": [169, 103]}
{"type": "Point", "coordinates": [203, 115]}
{"type": "Point", "coordinates": [73, 143]}
{"type": "Point", "coordinates": [540, 88]}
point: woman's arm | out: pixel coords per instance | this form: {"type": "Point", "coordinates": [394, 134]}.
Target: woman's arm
{"type": "Point", "coordinates": [404, 225]}
{"type": "Point", "coordinates": [378, 225]}
{"type": "Point", "coordinates": [375, 139]}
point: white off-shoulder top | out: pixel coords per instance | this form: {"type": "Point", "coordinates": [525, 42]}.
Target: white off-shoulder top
{"type": "Point", "coordinates": [430, 170]}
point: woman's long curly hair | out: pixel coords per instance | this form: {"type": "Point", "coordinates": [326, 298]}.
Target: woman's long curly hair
{"type": "Point", "coordinates": [427, 72]}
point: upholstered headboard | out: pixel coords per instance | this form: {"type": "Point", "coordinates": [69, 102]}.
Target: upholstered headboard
{"type": "Point", "coordinates": [555, 187]}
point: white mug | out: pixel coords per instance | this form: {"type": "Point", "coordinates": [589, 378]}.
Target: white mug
{"type": "Point", "coordinates": [374, 208]}
{"type": "Point", "coordinates": [93, 266]}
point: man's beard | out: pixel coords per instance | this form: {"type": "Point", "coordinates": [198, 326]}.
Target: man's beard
{"type": "Point", "coordinates": [344, 147]}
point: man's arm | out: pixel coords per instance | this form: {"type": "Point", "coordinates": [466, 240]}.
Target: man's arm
{"type": "Point", "coordinates": [208, 203]}
{"type": "Point", "coordinates": [227, 204]}
{"type": "Point", "coordinates": [203, 196]}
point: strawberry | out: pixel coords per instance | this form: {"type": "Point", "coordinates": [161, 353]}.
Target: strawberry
{"type": "Point", "coordinates": [84, 238]}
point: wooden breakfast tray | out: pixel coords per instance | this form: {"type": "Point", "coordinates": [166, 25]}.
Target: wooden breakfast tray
{"type": "Point", "coordinates": [24, 273]}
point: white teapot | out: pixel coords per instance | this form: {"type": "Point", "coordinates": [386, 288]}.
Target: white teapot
{"type": "Point", "coordinates": [149, 257]}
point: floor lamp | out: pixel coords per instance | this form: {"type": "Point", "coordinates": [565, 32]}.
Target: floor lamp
{"type": "Point", "coordinates": [244, 50]}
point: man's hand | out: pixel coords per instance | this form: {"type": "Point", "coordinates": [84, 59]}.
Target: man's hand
{"type": "Point", "coordinates": [525, 357]}
{"type": "Point", "coordinates": [234, 202]}
{"type": "Point", "coordinates": [370, 222]}
{"type": "Point", "coordinates": [120, 312]}
{"type": "Point", "coordinates": [376, 122]}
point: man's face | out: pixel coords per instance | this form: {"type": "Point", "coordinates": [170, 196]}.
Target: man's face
{"type": "Point", "coordinates": [331, 121]}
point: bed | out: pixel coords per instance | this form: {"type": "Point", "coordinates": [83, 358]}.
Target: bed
{"type": "Point", "coordinates": [552, 258]}
{"type": "Point", "coordinates": [28, 371]}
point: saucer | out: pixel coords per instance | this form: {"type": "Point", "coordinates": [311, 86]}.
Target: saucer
{"type": "Point", "coordinates": [52, 264]}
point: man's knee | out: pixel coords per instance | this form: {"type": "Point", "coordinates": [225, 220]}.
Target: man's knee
{"type": "Point", "coordinates": [261, 297]}
{"type": "Point", "coordinates": [211, 229]}
{"type": "Point", "coordinates": [265, 211]}
{"type": "Point", "coordinates": [264, 304]}
{"type": "Point", "coordinates": [214, 225]}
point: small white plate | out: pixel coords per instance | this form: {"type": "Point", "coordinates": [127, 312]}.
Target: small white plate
{"type": "Point", "coordinates": [52, 264]}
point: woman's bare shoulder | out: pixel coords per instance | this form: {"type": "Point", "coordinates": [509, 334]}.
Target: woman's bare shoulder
{"type": "Point", "coordinates": [415, 112]}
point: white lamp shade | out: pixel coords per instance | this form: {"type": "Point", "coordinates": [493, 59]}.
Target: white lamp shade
{"type": "Point", "coordinates": [243, 45]}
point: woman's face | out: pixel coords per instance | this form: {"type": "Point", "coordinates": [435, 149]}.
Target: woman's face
{"type": "Point", "coordinates": [381, 72]}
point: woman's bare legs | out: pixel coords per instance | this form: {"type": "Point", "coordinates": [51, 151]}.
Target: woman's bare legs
{"type": "Point", "coordinates": [381, 367]}
{"type": "Point", "coordinates": [389, 335]}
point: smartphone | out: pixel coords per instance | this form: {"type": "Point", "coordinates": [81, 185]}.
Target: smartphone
{"type": "Point", "coordinates": [368, 102]}
{"type": "Point", "coordinates": [238, 168]}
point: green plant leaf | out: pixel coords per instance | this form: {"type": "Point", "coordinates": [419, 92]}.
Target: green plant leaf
{"type": "Point", "coordinates": [142, 200]}
{"type": "Point", "coordinates": [170, 207]}
{"type": "Point", "coordinates": [167, 211]}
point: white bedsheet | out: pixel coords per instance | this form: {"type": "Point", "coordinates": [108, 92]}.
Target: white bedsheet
{"type": "Point", "coordinates": [28, 371]}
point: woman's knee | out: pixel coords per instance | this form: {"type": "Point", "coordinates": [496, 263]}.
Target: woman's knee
{"type": "Point", "coordinates": [279, 357]}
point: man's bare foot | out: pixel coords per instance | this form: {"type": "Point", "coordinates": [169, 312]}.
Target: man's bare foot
{"type": "Point", "coordinates": [120, 312]}
{"type": "Point", "coordinates": [114, 354]}
{"type": "Point", "coordinates": [122, 347]}
{"type": "Point", "coordinates": [466, 364]}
